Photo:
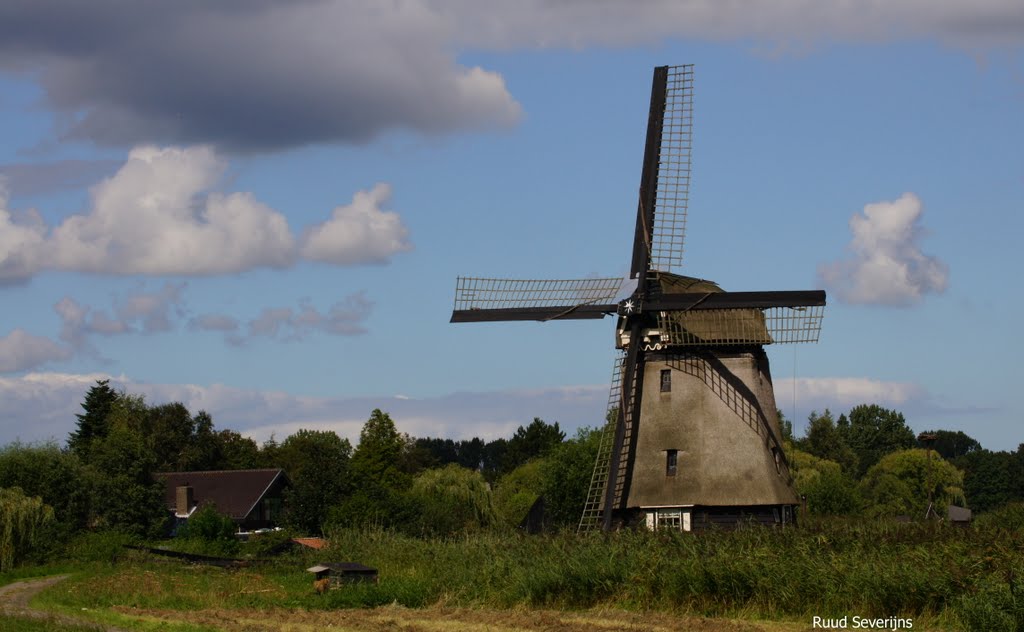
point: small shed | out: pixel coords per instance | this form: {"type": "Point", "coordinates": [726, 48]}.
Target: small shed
{"type": "Point", "coordinates": [959, 516]}
{"type": "Point", "coordinates": [344, 573]}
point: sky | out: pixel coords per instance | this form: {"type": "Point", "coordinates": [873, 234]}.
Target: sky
{"type": "Point", "coordinates": [260, 208]}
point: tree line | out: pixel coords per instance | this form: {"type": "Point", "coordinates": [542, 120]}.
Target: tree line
{"type": "Point", "coordinates": [868, 461]}
{"type": "Point", "coordinates": [105, 477]}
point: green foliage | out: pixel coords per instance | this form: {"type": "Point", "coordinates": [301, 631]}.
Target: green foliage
{"type": "Point", "coordinates": [987, 478]}
{"type": "Point", "coordinates": [206, 523]}
{"type": "Point", "coordinates": [235, 452]}
{"type": "Point", "coordinates": [515, 493]}
{"type": "Point", "coordinates": [317, 464]}
{"type": "Point", "coordinates": [827, 488]}
{"type": "Point", "coordinates": [375, 462]}
{"type": "Point", "coordinates": [263, 545]}
{"type": "Point", "coordinates": [900, 484]}
{"type": "Point", "coordinates": [125, 494]}
{"type": "Point", "coordinates": [97, 546]}
{"type": "Point", "coordinates": [873, 431]}
{"type": "Point", "coordinates": [950, 444]}
{"type": "Point", "coordinates": [55, 476]}
{"type": "Point", "coordinates": [530, 442]}
{"type": "Point", "coordinates": [93, 422]}
{"type": "Point", "coordinates": [22, 520]}
{"type": "Point", "coordinates": [824, 440]}
{"type": "Point", "coordinates": [1009, 517]}
{"type": "Point", "coordinates": [935, 574]}
{"type": "Point", "coordinates": [566, 473]}
{"type": "Point", "coordinates": [453, 500]}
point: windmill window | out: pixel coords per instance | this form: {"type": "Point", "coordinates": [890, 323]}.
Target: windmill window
{"type": "Point", "coordinates": [671, 462]}
{"type": "Point", "coordinates": [666, 380]}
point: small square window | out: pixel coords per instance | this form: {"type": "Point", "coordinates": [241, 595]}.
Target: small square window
{"type": "Point", "coordinates": [666, 380]}
{"type": "Point", "coordinates": [671, 462]}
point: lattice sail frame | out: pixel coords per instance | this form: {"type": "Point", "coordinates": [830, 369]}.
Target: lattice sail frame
{"type": "Point", "coordinates": [481, 293]}
{"type": "Point", "coordinates": [741, 327]}
{"type": "Point", "coordinates": [674, 161]}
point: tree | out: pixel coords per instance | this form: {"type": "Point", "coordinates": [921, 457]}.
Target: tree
{"type": "Point", "coordinates": [56, 476]}
{"type": "Point", "coordinates": [825, 441]}
{"type": "Point", "coordinates": [530, 442]}
{"type": "Point", "coordinates": [901, 483]}
{"type": "Point", "coordinates": [827, 488]}
{"type": "Point", "coordinates": [376, 460]}
{"type": "Point", "coordinates": [22, 519]}
{"type": "Point", "coordinates": [125, 496]}
{"type": "Point", "coordinates": [452, 500]}
{"type": "Point", "coordinates": [567, 470]}
{"type": "Point", "coordinates": [492, 459]}
{"type": "Point", "coordinates": [92, 422]}
{"type": "Point", "coordinates": [987, 478]}
{"type": "Point", "coordinates": [951, 445]}
{"type": "Point", "coordinates": [515, 492]}
{"type": "Point", "coordinates": [234, 452]}
{"type": "Point", "coordinates": [874, 432]}
{"type": "Point", "coordinates": [785, 425]}
{"type": "Point", "coordinates": [317, 464]}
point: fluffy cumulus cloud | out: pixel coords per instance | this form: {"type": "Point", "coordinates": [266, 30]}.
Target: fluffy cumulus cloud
{"type": "Point", "coordinates": [886, 265]}
{"type": "Point", "coordinates": [40, 406]}
{"type": "Point", "coordinates": [273, 74]}
{"type": "Point", "coordinates": [358, 233]}
{"type": "Point", "coordinates": [159, 215]}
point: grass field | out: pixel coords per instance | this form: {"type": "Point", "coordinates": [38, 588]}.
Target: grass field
{"type": "Point", "coordinates": [751, 579]}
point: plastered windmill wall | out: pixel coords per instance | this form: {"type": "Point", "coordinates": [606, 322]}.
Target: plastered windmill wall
{"type": "Point", "coordinates": [692, 436]}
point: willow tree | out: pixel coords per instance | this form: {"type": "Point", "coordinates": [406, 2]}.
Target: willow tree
{"type": "Point", "coordinates": [22, 520]}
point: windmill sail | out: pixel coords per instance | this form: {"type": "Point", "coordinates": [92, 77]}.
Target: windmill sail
{"type": "Point", "coordinates": [481, 299]}
{"type": "Point", "coordinates": [673, 184]}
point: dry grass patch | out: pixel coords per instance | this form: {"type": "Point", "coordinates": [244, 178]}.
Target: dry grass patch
{"type": "Point", "coordinates": [452, 619]}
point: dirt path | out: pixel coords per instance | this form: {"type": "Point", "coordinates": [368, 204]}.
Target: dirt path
{"type": "Point", "coordinates": [15, 597]}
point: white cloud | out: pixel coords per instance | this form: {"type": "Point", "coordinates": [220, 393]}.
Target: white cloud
{"type": "Point", "coordinates": [841, 393]}
{"type": "Point", "coordinates": [149, 219]}
{"type": "Point", "coordinates": [40, 406]}
{"type": "Point", "coordinates": [358, 233]}
{"type": "Point", "coordinates": [21, 243]}
{"type": "Point", "coordinates": [158, 215]}
{"type": "Point", "coordinates": [887, 266]}
{"type": "Point", "coordinates": [22, 351]}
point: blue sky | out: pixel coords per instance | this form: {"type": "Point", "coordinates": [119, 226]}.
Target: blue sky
{"type": "Point", "coordinates": [261, 209]}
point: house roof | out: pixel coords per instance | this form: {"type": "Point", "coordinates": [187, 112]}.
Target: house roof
{"type": "Point", "coordinates": [235, 492]}
{"type": "Point", "coordinates": [313, 543]}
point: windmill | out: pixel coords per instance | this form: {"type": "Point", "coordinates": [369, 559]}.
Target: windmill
{"type": "Point", "coordinates": [692, 434]}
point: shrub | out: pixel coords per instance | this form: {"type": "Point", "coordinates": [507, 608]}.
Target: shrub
{"type": "Point", "coordinates": [208, 524]}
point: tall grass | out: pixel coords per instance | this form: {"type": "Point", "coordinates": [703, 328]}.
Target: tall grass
{"type": "Point", "coordinates": [968, 578]}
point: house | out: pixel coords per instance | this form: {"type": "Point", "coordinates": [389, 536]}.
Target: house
{"type": "Point", "coordinates": [252, 498]}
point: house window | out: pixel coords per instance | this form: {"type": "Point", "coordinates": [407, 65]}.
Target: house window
{"type": "Point", "coordinates": [666, 380]}
{"type": "Point", "coordinates": [668, 519]}
{"type": "Point", "coordinates": [671, 461]}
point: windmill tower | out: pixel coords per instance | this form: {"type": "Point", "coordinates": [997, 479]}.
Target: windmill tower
{"type": "Point", "coordinates": [692, 437]}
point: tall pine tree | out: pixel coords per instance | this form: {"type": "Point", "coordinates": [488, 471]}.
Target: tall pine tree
{"type": "Point", "coordinates": [93, 423]}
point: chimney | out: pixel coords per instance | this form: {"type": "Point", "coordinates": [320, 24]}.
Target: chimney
{"type": "Point", "coordinates": [184, 500]}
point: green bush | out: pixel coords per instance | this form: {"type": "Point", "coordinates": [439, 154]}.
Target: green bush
{"type": "Point", "coordinates": [210, 532]}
